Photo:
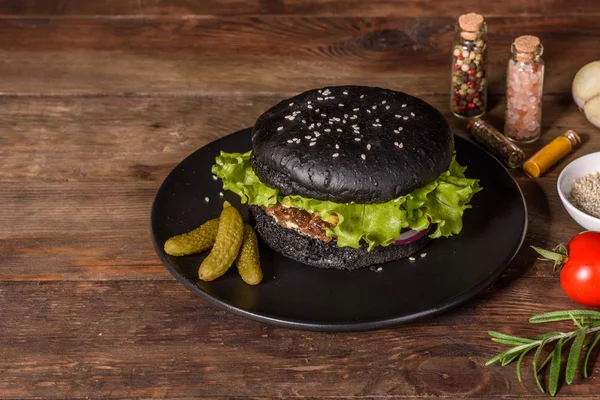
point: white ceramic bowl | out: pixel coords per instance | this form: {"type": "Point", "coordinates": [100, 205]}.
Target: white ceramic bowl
{"type": "Point", "coordinates": [580, 167]}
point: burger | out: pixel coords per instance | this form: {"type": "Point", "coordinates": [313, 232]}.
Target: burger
{"type": "Point", "coordinates": [350, 176]}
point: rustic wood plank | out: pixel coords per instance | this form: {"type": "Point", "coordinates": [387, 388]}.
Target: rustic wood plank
{"type": "Point", "coordinates": [144, 339]}
{"type": "Point", "coordinates": [136, 139]}
{"type": "Point", "coordinates": [96, 257]}
{"type": "Point", "coordinates": [149, 8]}
{"type": "Point", "coordinates": [237, 55]}
{"type": "Point", "coordinates": [33, 8]}
{"type": "Point", "coordinates": [75, 209]}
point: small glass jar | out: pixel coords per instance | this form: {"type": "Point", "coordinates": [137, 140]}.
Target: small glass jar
{"type": "Point", "coordinates": [510, 154]}
{"type": "Point", "coordinates": [468, 93]}
{"type": "Point", "coordinates": [524, 88]}
{"type": "Point", "coordinates": [551, 153]}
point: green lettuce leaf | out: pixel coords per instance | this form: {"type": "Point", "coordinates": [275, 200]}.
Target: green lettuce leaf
{"type": "Point", "coordinates": [441, 202]}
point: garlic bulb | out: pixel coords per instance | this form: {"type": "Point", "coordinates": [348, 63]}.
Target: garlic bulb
{"type": "Point", "coordinates": [592, 111]}
{"type": "Point", "coordinates": [586, 91]}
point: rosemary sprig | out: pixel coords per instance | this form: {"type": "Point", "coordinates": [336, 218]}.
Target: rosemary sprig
{"type": "Point", "coordinates": [587, 323]}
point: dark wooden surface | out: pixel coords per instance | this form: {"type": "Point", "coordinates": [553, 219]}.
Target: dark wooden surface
{"type": "Point", "coordinates": [100, 100]}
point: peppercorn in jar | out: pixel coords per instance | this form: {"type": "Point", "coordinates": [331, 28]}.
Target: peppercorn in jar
{"type": "Point", "coordinates": [469, 67]}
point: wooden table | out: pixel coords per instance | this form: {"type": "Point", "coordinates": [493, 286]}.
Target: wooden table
{"type": "Point", "coordinates": [100, 100]}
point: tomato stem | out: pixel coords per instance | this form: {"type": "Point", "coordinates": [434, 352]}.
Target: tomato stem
{"type": "Point", "coordinates": [559, 255]}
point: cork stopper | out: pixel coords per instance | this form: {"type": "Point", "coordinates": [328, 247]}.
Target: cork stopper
{"type": "Point", "coordinates": [526, 47]}
{"type": "Point", "coordinates": [527, 44]}
{"type": "Point", "coordinates": [471, 24]}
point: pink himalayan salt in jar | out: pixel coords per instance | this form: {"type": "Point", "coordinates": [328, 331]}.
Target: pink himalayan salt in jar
{"type": "Point", "coordinates": [524, 87]}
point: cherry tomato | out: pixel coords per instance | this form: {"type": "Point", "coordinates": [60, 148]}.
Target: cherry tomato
{"type": "Point", "coordinates": [580, 275]}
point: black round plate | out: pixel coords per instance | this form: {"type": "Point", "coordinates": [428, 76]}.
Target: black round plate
{"type": "Point", "coordinates": [295, 295]}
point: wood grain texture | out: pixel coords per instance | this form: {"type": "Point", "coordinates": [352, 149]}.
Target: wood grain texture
{"type": "Point", "coordinates": [101, 99]}
{"type": "Point", "coordinates": [151, 8]}
{"type": "Point", "coordinates": [153, 339]}
{"type": "Point", "coordinates": [220, 55]}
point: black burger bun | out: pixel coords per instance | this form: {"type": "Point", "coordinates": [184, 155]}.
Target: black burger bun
{"type": "Point", "coordinates": [351, 144]}
{"type": "Point", "coordinates": [317, 253]}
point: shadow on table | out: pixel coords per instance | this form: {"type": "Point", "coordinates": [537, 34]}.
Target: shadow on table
{"type": "Point", "coordinates": [537, 234]}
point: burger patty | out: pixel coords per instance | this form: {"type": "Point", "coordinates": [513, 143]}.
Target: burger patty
{"type": "Point", "coordinates": [307, 250]}
{"type": "Point", "coordinates": [302, 221]}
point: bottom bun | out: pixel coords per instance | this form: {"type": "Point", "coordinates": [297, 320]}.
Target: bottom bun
{"type": "Point", "coordinates": [326, 255]}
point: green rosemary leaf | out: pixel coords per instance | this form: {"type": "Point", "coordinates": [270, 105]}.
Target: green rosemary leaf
{"type": "Point", "coordinates": [500, 335]}
{"type": "Point", "coordinates": [577, 323]}
{"type": "Point", "coordinates": [535, 370]}
{"type": "Point", "coordinates": [546, 361]}
{"type": "Point", "coordinates": [523, 354]}
{"type": "Point", "coordinates": [554, 316]}
{"type": "Point", "coordinates": [589, 352]}
{"type": "Point", "coordinates": [574, 356]}
{"type": "Point", "coordinates": [496, 358]}
{"type": "Point", "coordinates": [510, 358]}
{"type": "Point", "coordinates": [508, 339]}
{"type": "Point", "coordinates": [547, 335]}
{"type": "Point", "coordinates": [511, 351]}
{"type": "Point", "coordinates": [520, 348]}
{"type": "Point", "coordinates": [591, 338]}
{"type": "Point", "coordinates": [555, 368]}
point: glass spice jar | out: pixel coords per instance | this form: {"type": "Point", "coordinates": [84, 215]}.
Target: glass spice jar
{"type": "Point", "coordinates": [468, 93]}
{"type": "Point", "coordinates": [524, 87]}
{"type": "Point", "coordinates": [508, 152]}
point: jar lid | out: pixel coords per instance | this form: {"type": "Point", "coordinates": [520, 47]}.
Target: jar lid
{"type": "Point", "coordinates": [470, 22]}
{"type": "Point", "coordinates": [527, 43]}
{"type": "Point", "coordinates": [573, 137]}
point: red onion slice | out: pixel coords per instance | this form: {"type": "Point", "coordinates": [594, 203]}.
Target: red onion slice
{"type": "Point", "coordinates": [411, 236]}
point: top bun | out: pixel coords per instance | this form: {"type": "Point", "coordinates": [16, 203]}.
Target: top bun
{"type": "Point", "coordinates": [351, 144]}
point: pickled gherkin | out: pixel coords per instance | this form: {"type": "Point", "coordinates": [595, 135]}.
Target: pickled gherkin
{"type": "Point", "coordinates": [195, 241]}
{"type": "Point", "coordinates": [226, 247]}
{"type": "Point", "coordinates": [248, 261]}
